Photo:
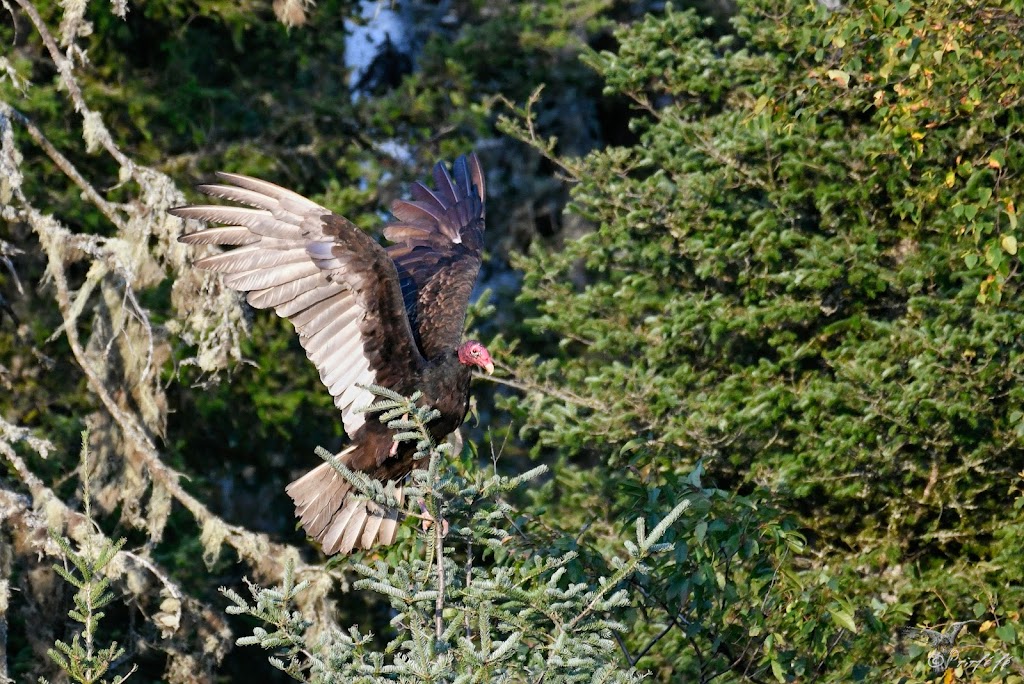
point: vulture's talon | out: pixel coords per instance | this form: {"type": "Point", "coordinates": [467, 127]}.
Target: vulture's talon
{"type": "Point", "coordinates": [427, 520]}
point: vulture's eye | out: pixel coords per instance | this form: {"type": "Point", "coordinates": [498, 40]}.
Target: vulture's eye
{"type": "Point", "coordinates": [476, 351]}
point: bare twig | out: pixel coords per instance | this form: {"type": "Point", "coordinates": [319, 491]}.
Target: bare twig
{"type": "Point", "coordinates": [439, 602]}
{"type": "Point", "coordinates": [661, 635]}
{"type": "Point", "coordinates": [65, 165]}
{"type": "Point", "coordinates": [527, 386]}
{"type": "Point", "coordinates": [469, 581]}
{"type": "Point", "coordinates": [64, 68]}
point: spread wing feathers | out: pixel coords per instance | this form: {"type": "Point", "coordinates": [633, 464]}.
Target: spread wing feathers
{"type": "Point", "coordinates": [439, 240]}
{"type": "Point", "coordinates": [334, 283]}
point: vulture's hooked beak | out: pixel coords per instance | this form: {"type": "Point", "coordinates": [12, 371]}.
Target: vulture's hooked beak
{"type": "Point", "coordinates": [489, 367]}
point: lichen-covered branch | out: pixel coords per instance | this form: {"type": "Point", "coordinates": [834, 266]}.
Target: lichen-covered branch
{"type": "Point", "coordinates": [190, 627]}
{"type": "Point", "coordinates": [99, 280]}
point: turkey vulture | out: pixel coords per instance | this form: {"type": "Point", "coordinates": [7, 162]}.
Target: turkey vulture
{"type": "Point", "coordinates": [365, 315]}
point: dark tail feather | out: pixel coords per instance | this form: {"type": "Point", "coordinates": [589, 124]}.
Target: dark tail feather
{"type": "Point", "coordinates": [337, 517]}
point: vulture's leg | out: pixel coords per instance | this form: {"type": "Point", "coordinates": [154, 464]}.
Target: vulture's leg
{"type": "Point", "coordinates": [394, 445]}
{"type": "Point", "coordinates": [427, 520]}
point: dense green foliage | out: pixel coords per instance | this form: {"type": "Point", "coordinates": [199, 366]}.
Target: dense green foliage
{"type": "Point", "coordinates": [781, 310]}
{"type": "Point", "coordinates": [806, 274]}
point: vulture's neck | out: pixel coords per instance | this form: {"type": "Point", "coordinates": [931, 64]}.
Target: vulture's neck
{"type": "Point", "coordinates": [445, 385]}
{"type": "Point", "coordinates": [444, 371]}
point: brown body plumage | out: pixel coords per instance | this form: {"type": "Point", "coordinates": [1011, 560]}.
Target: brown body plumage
{"type": "Point", "coordinates": [365, 315]}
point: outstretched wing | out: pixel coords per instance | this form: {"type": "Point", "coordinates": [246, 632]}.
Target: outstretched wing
{"type": "Point", "coordinates": [439, 236]}
{"type": "Point", "coordinates": [335, 284]}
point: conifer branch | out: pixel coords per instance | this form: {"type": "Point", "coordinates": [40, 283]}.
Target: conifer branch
{"type": "Point", "coordinates": [85, 663]}
{"type": "Point", "coordinates": [647, 545]}
{"type": "Point", "coordinates": [518, 617]}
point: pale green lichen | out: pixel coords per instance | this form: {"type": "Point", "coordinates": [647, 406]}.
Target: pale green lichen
{"type": "Point", "coordinates": [292, 13]}
{"type": "Point", "coordinates": [160, 500]}
{"type": "Point", "coordinates": [93, 131]}
{"type": "Point", "coordinates": [73, 24]}
{"type": "Point", "coordinates": [119, 8]}
{"type": "Point", "coordinates": [10, 162]}
{"type": "Point", "coordinates": [122, 351]}
{"type": "Point", "coordinates": [212, 538]}
{"type": "Point", "coordinates": [168, 619]}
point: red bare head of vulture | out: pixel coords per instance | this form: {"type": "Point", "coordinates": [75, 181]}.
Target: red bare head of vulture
{"type": "Point", "coordinates": [365, 314]}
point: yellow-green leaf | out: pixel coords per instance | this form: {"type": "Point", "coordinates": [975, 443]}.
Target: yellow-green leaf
{"type": "Point", "coordinates": [843, 619]}
{"type": "Point", "coordinates": [839, 76]}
